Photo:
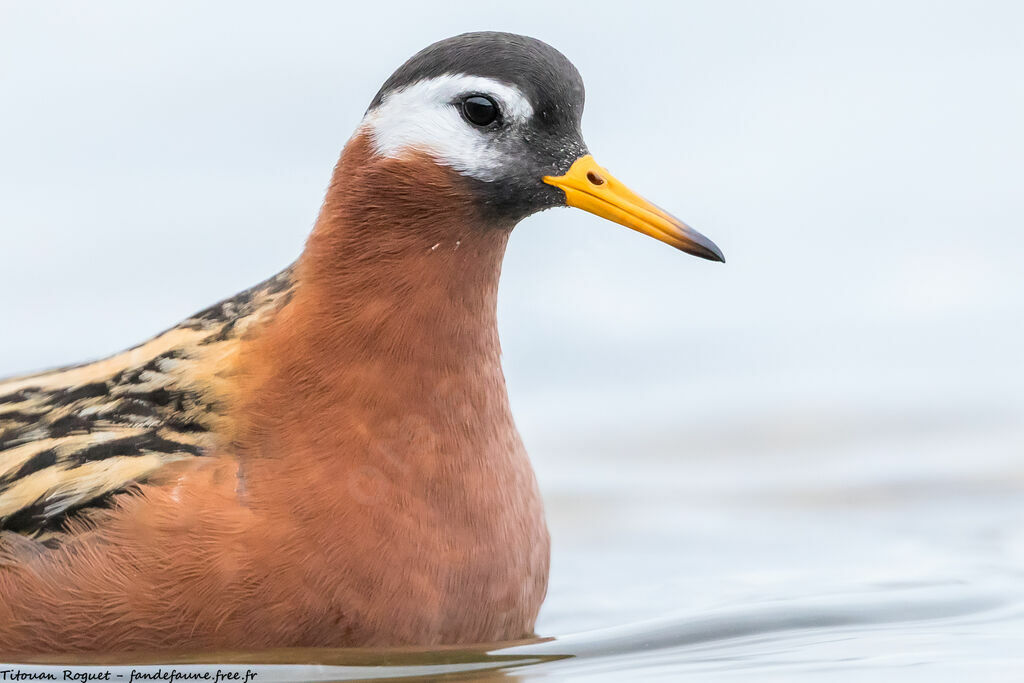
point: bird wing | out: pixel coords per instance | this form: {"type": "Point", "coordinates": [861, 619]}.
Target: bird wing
{"type": "Point", "coordinates": [73, 438]}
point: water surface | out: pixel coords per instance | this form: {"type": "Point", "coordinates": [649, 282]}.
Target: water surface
{"type": "Point", "coordinates": [856, 548]}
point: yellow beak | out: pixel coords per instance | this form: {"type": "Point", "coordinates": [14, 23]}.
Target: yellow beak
{"type": "Point", "coordinates": [589, 187]}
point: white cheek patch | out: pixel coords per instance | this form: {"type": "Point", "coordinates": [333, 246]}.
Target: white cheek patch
{"type": "Point", "coordinates": [422, 117]}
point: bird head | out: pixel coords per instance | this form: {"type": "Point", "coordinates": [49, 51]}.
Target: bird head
{"type": "Point", "coordinates": [503, 111]}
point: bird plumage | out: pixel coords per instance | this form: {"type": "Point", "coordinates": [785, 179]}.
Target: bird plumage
{"type": "Point", "coordinates": [328, 458]}
{"type": "Point", "coordinates": [73, 437]}
{"type": "Point", "coordinates": [362, 482]}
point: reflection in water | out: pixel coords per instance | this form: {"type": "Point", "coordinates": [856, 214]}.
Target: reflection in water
{"type": "Point", "coordinates": [774, 638]}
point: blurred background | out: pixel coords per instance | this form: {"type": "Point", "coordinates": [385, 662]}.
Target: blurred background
{"type": "Point", "coordinates": [836, 409]}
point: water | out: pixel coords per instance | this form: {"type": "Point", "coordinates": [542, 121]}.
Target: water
{"type": "Point", "coordinates": [781, 553]}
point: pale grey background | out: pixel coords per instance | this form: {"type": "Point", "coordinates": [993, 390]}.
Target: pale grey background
{"type": "Point", "coordinates": [859, 163]}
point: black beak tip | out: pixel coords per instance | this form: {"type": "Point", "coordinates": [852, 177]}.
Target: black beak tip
{"type": "Point", "coordinates": [705, 249]}
{"type": "Point", "coordinates": [717, 256]}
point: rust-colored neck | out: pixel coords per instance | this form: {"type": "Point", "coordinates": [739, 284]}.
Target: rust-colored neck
{"type": "Point", "coordinates": [400, 266]}
{"type": "Point", "coordinates": [373, 415]}
{"type": "Point", "coordinates": [394, 309]}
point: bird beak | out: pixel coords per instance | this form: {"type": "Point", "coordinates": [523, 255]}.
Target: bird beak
{"type": "Point", "coordinates": [589, 187]}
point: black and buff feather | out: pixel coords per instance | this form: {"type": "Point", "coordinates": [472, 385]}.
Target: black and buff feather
{"type": "Point", "coordinates": [73, 437]}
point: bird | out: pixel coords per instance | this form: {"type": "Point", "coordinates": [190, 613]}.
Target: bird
{"type": "Point", "coordinates": [327, 459]}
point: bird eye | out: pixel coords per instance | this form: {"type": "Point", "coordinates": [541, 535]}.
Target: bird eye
{"type": "Point", "coordinates": [479, 110]}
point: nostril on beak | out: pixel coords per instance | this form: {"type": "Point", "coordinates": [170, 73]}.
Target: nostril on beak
{"type": "Point", "coordinates": [595, 178]}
